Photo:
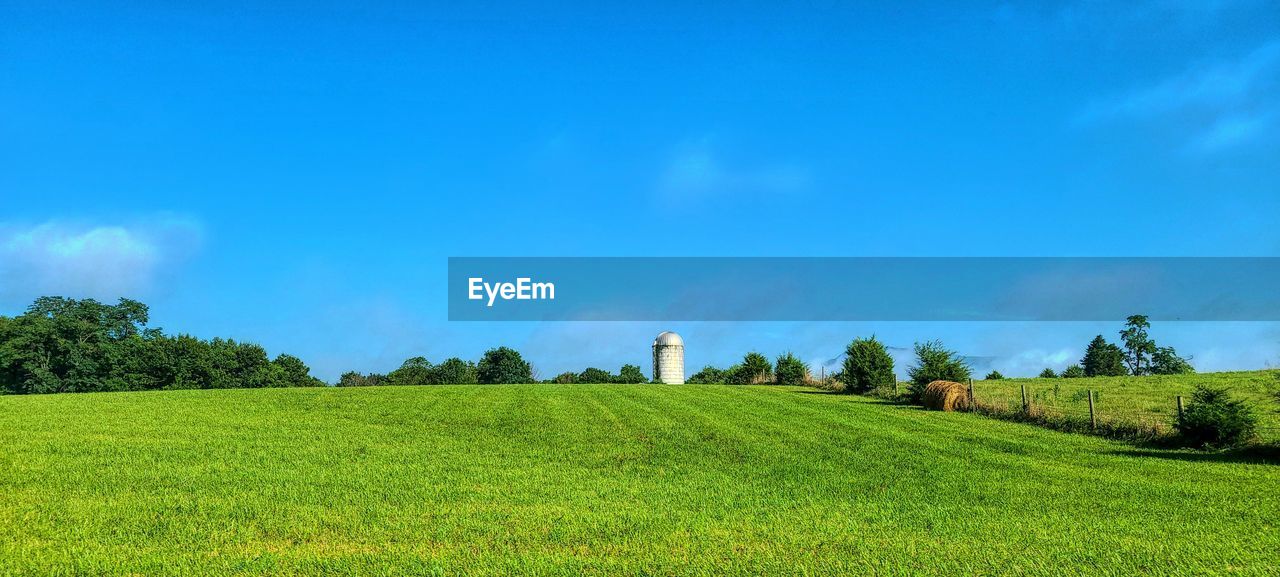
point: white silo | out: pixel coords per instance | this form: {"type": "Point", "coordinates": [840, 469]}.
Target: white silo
{"type": "Point", "coordinates": [668, 359]}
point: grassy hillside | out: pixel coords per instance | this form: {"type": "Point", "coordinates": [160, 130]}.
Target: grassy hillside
{"type": "Point", "coordinates": [599, 479]}
{"type": "Point", "coordinates": [1149, 401]}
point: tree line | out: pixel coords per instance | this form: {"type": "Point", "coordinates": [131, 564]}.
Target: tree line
{"type": "Point", "coordinates": [62, 345]}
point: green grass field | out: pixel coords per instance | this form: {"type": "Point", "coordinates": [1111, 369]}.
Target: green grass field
{"type": "Point", "coordinates": [600, 479]}
{"type": "Point", "coordinates": [1148, 401]}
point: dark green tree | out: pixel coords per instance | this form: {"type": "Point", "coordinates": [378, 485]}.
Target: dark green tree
{"type": "Point", "coordinates": [754, 369]}
{"type": "Point", "coordinates": [934, 362]}
{"type": "Point", "coordinates": [566, 378]}
{"type": "Point", "coordinates": [709, 375]}
{"type": "Point", "coordinates": [867, 365]}
{"type": "Point", "coordinates": [595, 376]}
{"type": "Point", "coordinates": [790, 370]}
{"type": "Point", "coordinates": [1165, 361]}
{"type": "Point", "coordinates": [1103, 359]}
{"type": "Point", "coordinates": [454, 371]}
{"type": "Point", "coordinates": [630, 375]}
{"type": "Point", "coordinates": [502, 366]}
{"type": "Point", "coordinates": [414, 371]}
{"type": "Point", "coordinates": [1048, 373]}
{"type": "Point", "coordinates": [994, 376]}
{"type": "Point", "coordinates": [1073, 372]}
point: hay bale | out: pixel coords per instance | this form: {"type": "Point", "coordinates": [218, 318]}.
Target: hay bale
{"type": "Point", "coordinates": [945, 396]}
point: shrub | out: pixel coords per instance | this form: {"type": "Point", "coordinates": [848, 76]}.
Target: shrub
{"type": "Point", "coordinates": [934, 362]}
{"type": "Point", "coordinates": [1073, 372]}
{"type": "Point", "coordinates": [503, 365]}
{"type": "Point", "coordinates": [755, 369]}
{"type": "Point", "coordinates": [596, 376]}
{"type": "Point", "coordinates": [1216, 420]}
{"type": "Point", "coordinates": [1048, 373]}
{"type": "Point", "coordinates": [994, 376]}
{"type": "Point", "coordinates": [790, 370]}
{"type": "Point", "coordinates": [866, 365]}
{"type": "Point", "coordinates": [630, 375]}
{"type": "Point", "coordinates": [454, 371]}
{"type": "Point", "coordinates": [709, 375]}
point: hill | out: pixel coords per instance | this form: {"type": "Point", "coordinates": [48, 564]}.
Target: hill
{"type": "Point", "coordinates": [599, 479]}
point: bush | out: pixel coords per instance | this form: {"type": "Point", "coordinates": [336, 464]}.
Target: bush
{"type": "Point", "coordinates": [934, 362]}
{"type": "Point", "coordinates": [1048, 373]}
{"type": "Point", "coordinates": [630, 375]}
{"type": "Point", "coordinates": [709, 375]}
{"type": "Point", "coordinates": [1073, 372]}
{"type": "Point", "coordinates": [1215, 420]}
{"type": "Point", "coordinates": [866, 365]}
{"type": "Point", "coordinates": [595, 376]}
{"type": "Point", "coordinates": [755, 369]}
{"type": "Point", "coordinates": [503, 365]}
{"type": "Point", "coordinates": [566, 378]}
{"type": "Point", "coordinates": [994, 376]}
{"type": "Point", "coordinates": [790, 370]}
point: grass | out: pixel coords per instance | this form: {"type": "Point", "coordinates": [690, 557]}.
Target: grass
{"type": "Point", "coordinates": [602, 480]}
{"type": "Point", "coordinates": [1148, 402]}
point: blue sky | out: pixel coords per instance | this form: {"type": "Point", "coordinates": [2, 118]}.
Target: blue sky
{"type": "Point", "coordinates": [296, 174]}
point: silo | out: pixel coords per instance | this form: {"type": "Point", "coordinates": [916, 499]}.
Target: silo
{"type": "Point", "coordinates": [668, 359]}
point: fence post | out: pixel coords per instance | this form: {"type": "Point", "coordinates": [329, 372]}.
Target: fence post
{"type": "Point", "coordinates": [1025, 409]}
{"type": "Point", "coordinates": [1179, 410]}
{"type": "Point", "coordinates": [1093, 420]}
{"type": "Point", "coordinates": [973, 405]}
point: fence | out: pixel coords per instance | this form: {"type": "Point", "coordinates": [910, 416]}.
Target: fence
{"type": "Point", "coordinates": [1135, 411]}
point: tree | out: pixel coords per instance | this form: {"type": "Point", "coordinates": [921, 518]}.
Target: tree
{"type": "Point", "coordinates": [596, 376]}
{"type": "Point", "coordinates": [1103, 359]}
{"type": "Point", "coordinates": [866, 365]}
{"type": "Point", "coordinates": [355, 379]}
{"type": "Point", "coordinates": [1138, 344]}
{"type": "Point", "coordinates": [935, 362]}
{"type": "Point", "coordinates": [454, 371]}
{"type": "Point", "coordinates": [994, 376]}
{"type": "Point", "coordinates": [566, 378]}
{"type": "Point", "coordinates": [630, 375]}
{"type": "Point", "coordinates": [707, 376]}
{"type": "Point", "coordinates": [502, 366]}
{"type": "Point", "coordinates": [754, 369]}
{"type": "Point", "coordinates": [414, 371]}
{"type": "Point", "coordinates": [790, 370]}
{"type": "Point", "coordinates": [1048, 373]}
{"type": "Point", "coordinates": [1165, 361]}
{"type": "Point", "coordinates": [290, 371]}
{"type": "Point", "coordinates": [1073, 372]}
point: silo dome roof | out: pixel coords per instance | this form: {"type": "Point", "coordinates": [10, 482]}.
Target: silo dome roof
{"type": "Point", "coordinates": [668, 338]}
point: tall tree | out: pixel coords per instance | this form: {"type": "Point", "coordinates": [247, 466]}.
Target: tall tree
{"type": "Point", "coordinates": [1138, 344]}
{"type": "Point", "coordinates": [1103, 359]}
{"type": "Point", "coordinates": [867, 365]}
{"type": "Point", "coordinates": [503, 365]}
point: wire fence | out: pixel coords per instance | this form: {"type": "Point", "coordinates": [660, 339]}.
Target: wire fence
{"type": "Point", "coordinates": [1139, 412]}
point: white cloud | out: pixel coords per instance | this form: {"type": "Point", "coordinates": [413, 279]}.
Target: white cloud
{"type": "Point", "coordinates": [696, 171]}
{"type": "Point", "coordinates": [1218, 104]}
{"type": "Point", "coordinates": [80, 260]}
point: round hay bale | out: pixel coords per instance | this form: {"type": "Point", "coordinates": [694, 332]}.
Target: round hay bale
{"type": "Point", "coordinates": [945, 396]}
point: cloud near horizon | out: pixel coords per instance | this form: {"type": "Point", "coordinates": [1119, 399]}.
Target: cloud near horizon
{"type": "Point", "coordinates": [90, 261]}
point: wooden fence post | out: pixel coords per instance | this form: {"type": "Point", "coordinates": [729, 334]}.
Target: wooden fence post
{"type": "Point", "coordinates": [973, 404]}
{"type": "Point", "coordinates": [1093, 420]}
{"type": "Point", "coordinates": [1025, 409]}
{"type": "Point", "coordinates": [1179, 410]}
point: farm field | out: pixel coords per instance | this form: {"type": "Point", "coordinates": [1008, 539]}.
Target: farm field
{"type": "Point", "coordinates": [600, 479]}
{"type": "Point", "coordinates": [1148, 401]}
